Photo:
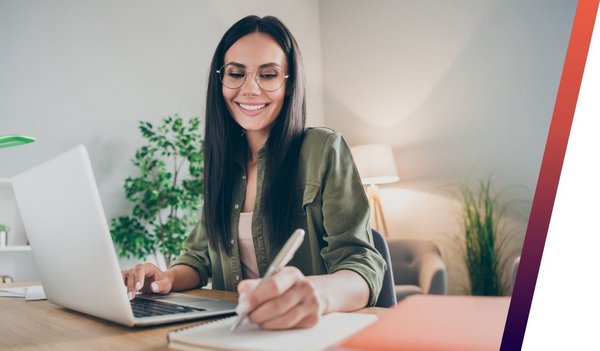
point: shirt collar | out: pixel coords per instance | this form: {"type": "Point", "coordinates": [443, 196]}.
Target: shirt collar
{"type": "Point", "coordinates": [241, 154]}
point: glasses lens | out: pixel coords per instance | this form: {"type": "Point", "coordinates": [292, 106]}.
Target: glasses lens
{"type": "Point", "coordinates": [270, 78]}
{"type": "Point", "coordinates": [232, 76]}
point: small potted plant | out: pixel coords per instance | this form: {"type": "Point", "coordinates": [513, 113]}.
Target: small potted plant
{"type": "Point", "coordinates": [4, 230]}
{"type": "Point", "coordinates": [165, 199]}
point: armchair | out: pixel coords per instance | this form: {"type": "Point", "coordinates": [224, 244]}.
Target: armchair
{"type": "Point", "coordinates": [418, 268]}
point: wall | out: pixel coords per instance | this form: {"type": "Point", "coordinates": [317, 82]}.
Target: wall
{"type": "Point", "coordinates": [460, 89]}
{"type": "Point", "coordinates": [87, 71]}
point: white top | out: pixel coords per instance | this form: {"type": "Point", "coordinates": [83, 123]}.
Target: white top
{"type": "Point", "coordinates": [246, 246]}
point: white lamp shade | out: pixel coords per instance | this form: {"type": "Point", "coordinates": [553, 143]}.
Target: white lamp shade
{"type": "Point", "coordinates": [375, 163]}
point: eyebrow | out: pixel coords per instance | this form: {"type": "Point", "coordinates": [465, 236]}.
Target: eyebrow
{"type": "Point", "coordinates": [264, 65]}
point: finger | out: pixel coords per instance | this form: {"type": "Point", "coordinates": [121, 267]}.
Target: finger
{"type": "Point", "coordinates": [135, 280]}
{"type": "Point", "coordinates": [131, 284]}
{"type": "Point", "coordinates": [161, 284]}
{"type": "Point", "coordinates": [309, 321]}
{"type": "Point", "coordinates": [277, 306]}
{"type": "Point", "coordinates": [277, 284]}
{"type": "Point", "coordinates": [244, 288]}
{"type": "Point", "coordinates": [302, 315]}
{"type": "Point", "coordinates": [294, 318]}
{"type": "Point", "coordinates": [153, 274]}
{"type": "Point", "coordinates": [125, 274]}
{"type": "Point", "coordinates": [274, 286]}
{"type": "Point", "coordinates": [247, 285]}
{"type": "Point", "coordinates": [140, 276]}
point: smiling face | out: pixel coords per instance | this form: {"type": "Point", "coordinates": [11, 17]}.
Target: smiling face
{"type": "Point", "coordinates": [252, 107]}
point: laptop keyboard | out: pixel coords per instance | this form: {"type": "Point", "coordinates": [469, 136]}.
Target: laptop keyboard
{"type": "Point", "coordinates": [147, 308]}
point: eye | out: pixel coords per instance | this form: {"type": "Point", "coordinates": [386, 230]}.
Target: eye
{"type": "Point", "coordinates": [268, 74]}
{"type": "Point", "coordinates": [235, 74]}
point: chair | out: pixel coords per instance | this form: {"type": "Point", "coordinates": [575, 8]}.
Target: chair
{"type": "Point", "coordinates": [387, 296]}
{"type": "Point", "coordinates": [417, 268]}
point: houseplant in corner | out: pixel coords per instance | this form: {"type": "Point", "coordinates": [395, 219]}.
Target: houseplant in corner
{"type": "Point", "coordinates": [483, 239]}
{"type": "Point", "coordinates": [166, 193]}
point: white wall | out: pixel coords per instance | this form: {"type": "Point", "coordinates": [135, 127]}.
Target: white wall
{"type": "Point", "coordinates": [460, 89]}
{"type": "Point", "coordinates": [86, 71]}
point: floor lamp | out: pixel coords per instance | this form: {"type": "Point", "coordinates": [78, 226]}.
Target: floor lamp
{"type": "Point", "coordinates": [376, 165]}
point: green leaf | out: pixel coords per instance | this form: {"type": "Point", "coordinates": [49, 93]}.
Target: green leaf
{"type": "Point", "coordinates": [163, 213]}
{"type": "Point", "coordinates": [483, 250]}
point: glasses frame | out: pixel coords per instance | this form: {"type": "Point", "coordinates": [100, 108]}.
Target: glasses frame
{"type": "Point", "coordinates": [256, 79]}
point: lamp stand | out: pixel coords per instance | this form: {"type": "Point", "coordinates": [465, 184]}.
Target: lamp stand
{"type": "Point", "coordinates": [377, 218]}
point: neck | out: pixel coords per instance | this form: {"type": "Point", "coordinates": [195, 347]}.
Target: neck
{"type": "Point", "coordinates": [256, 140]}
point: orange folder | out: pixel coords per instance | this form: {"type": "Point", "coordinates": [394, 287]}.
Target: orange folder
{"type": "Point", "coordinates": [433, 322]}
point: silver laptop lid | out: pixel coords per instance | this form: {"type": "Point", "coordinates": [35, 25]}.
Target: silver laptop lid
{"type": "Point", "coordinates": [70, 238]}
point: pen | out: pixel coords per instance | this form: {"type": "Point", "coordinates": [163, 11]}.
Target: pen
{"type": "Point", "coordinates": [283, 257]}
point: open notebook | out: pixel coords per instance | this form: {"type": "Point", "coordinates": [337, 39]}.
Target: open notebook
{"type": "Point", "coordinates": [331, 330]}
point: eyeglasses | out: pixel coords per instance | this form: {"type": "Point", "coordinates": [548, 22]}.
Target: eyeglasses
{"type": "Point", "coordinates": [268, 78]}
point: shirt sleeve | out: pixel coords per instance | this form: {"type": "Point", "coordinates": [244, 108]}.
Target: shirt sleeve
{"type": "Point", "coordinates": [196, 254]}
{"type": "Point", "coordinates": [346, 218]}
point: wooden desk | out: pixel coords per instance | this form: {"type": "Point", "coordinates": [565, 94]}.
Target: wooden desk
{"type": "Point", "coordinates": [41, 325]}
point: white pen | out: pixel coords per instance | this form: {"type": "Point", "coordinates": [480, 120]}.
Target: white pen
{"type": "Point", "coordinates": [283, 257]}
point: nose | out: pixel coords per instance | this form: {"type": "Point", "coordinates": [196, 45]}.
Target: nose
{"type": "Point", "coordinates": [250, 86]}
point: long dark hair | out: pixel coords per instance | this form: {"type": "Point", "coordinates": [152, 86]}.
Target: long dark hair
{"type": "Point", "coordinates": [223, 138]}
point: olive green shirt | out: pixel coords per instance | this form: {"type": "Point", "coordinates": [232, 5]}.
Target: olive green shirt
{"type": "Point", "coordinates": [334, 212]}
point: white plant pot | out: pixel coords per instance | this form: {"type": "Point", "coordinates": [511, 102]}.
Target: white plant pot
{"type": "Point", "coordinates": [3, 238]}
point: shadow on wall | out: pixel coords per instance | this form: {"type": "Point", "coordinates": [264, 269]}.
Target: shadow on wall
{"type": "Point", "coordinates": [420, 215]}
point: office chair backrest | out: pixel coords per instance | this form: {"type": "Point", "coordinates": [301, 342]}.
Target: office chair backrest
{"type": "Point", "coordinates": [387, 296]}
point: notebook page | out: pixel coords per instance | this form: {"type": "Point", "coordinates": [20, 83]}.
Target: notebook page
{"type": "Point", "coordinates": [332, 329]}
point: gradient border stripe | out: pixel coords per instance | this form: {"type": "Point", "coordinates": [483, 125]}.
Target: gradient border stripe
{"type": "Point", "coordinates": [543, 201]}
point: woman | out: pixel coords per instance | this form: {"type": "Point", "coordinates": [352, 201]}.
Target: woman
{"type": "Point", "coordinates": [265, 176]}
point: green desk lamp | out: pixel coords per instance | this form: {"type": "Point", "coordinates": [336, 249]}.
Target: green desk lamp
{"type": "Point", "coordinates": [14, 140]}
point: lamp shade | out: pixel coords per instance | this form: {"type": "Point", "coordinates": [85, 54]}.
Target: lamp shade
{"type": "Point", "coordinates": [375, 163]}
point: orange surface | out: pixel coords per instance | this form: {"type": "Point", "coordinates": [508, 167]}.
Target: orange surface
{"type": "Point", "coordinates": [432, 322]}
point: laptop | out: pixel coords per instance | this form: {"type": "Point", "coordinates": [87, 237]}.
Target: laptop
{"type": "Point", "coordinates": [71, 244]}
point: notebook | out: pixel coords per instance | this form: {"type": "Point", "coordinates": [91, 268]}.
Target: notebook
{"type": "Point", "coordinates": [332, 329]}
{"type": "Point", "coordinates": [432, 322]}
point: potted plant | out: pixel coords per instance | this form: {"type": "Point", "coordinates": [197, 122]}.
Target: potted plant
{"type": "Point", "coordinates": [483, 239]}
{"type": "Point", "coordinates": [4, 230]}
{"type": "Point", "coordinates": [166, 193]}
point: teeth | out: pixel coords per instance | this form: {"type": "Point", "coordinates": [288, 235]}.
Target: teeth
{"type": "Point", "coordinates": [252, 107]}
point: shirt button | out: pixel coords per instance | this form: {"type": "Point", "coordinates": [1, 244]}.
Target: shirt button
{"type": "Point", "coordinates": [232, 241]}
{"type": "Point", "coordinates": [243, 177]}
{"type": "Point", "coordinates": [236, 206]}
{"type": "Point", "coordinates": [237, 277]}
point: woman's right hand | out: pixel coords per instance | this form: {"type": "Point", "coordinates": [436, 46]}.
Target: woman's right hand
{"type": "Point", "coordinates": [147, 278]}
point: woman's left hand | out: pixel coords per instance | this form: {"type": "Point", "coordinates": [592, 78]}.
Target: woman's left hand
{"type": "Point", "coordinates": [286, 300]}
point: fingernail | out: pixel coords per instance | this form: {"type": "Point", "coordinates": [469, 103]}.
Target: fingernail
{"type": "Point", "coordinates": [138, 286]}
{"type": "Point", "coordinates": [154, 287]}
{"type": "Point", "coordinates": [242, 307]}
{"type": "Point", "coordinates": [130, 294]}
{"type": "Point", "coordinates": [242, 297]}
